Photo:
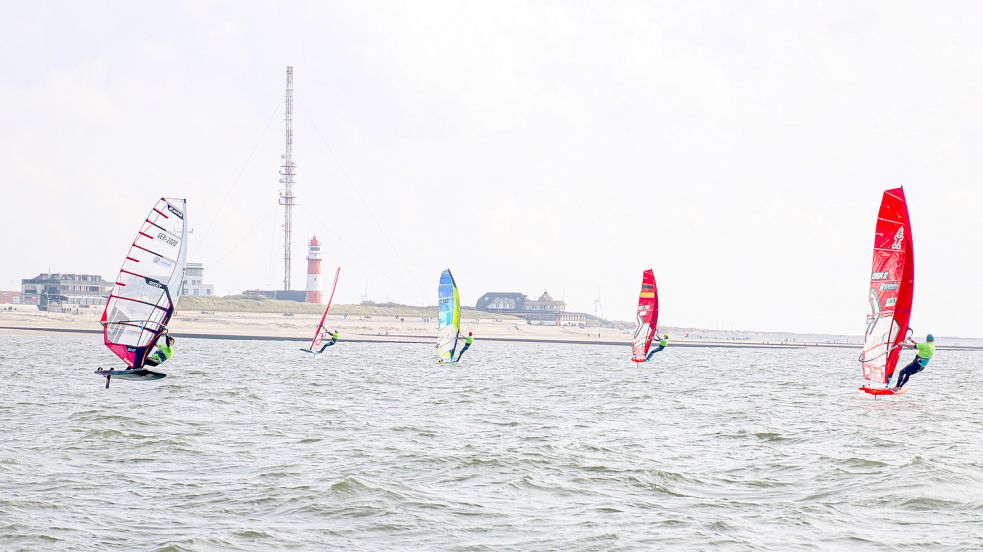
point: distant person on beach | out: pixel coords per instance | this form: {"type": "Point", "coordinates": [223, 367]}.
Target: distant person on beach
{"type": "Point", "coordinates": [663, 341]}
{"type": "Point", "coordinates": [467, 343]}
{"type": "Point", "coordinates": [334, 339]}
{"type": "Point", "coordinates": [163, 352]}
{"type": "Point", "coordinates": [926, 350]}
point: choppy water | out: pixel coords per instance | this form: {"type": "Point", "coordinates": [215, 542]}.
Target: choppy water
{"type": "Point", "coordinates": [255, 446]}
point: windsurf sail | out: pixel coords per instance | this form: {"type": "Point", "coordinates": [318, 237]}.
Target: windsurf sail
{"type": "Point", "coordinates": [647, 319]}
{"type": "Point", "coordinates": [448, 316]}
{"type": "Point", "coordinates": [318, 336]}
{"type": "Point", "coordinates": [892, 284]}
{"type": "Point", "coordinates": [148, 285]}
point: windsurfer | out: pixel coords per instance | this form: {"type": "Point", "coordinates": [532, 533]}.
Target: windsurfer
{"type": "Point", "coordinates": [663, 341]}
{"type": "Point", "coordinates": [334, 339]}
{"type": "Point", "coordinates": [926, 350]}
{"type": "Point", "coordinates": [163, 352]}
{"type": "Point", "coordinates": [467, 343]}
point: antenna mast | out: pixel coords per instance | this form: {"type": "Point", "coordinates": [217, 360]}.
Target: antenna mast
{"type": "Point", "coordinates": [287, 172]}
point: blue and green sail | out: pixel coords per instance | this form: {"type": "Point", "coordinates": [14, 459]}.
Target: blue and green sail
{"type": "Point", "coordinates": [448, 316]}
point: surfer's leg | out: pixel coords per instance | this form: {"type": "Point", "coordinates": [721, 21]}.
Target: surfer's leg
{"type": "Point", "coordinates": [916, 368]}
{"type": "Point", "coordinates": [906, 373]}
{"type": "Point", "coordinates": [653, 351]}
{"type": "Point", "coordinates": [326, 345]}
{"type": "Point", "coordinates": [460, 354]}
{"type": "Point", "coordinates": [903, 377]}
{"type": "Point", "coordinates": [152, 361]}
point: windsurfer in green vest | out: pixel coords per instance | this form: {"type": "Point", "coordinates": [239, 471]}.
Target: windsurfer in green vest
{"type": "Point", "coordinates": [467, 343]}
{"type": "Point", "coordinates": [334, 339]}
{"type": "Point", "coordinates": [926, 350]}
{"type": "Point", "coordinates": [663, 341]}
{"type": "Point", "coordinates": [163, 352]}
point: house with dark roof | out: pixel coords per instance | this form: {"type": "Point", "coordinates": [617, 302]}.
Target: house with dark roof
{"type": "Point", "coordinates": [506, 303]}
{"type": "Point", "coordinates": [543, 311]}
{"type": "Point", "coordinates": [58, 291]}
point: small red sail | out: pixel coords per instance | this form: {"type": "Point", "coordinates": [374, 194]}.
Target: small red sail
{"type": "Point", "coordinates": [317, 333]}
{"type": "Point", "coordinates": [892, 284]}
{"type": "Point", "coordinates": [647, 319]}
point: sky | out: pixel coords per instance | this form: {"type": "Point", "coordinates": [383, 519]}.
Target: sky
{"type": "Point", "coordinates": [740, 149]}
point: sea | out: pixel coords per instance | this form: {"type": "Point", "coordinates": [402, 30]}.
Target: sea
{"type": "Point", "coordinates": [254, 445]}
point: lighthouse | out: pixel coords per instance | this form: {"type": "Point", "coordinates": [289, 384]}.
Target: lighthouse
{"type": "Point", "coordinates": [314, 271]}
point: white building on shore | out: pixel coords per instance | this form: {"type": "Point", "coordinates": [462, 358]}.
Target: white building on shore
{"type": "Point", "coordinates": [192, 283]}
{"type": "Point", "coordinates": [59, 292]}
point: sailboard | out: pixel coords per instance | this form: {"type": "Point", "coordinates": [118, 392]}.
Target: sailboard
{"type": "Point", "coordinates": [146, 290]}
{"type": "Point", "coordinates": [877, 391]}
{"type": "Point", "coordinates": [131, 374]}
{"type": "Point", "coordinates": [892, 284]}
{"type": "Point", "coordinates": [647, 318]}
{"type": "Point", "coordinates": [448, 317]}
{"type": "Point", "coordinates": [318, 336]}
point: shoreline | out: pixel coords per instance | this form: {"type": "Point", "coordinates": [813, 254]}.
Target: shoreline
{"type": "Point", "coordinates": [396, 338]}
{"type": "Point", "coordinates": [428, 339]}
{"type": "Point", "coordinates": [401, 328]}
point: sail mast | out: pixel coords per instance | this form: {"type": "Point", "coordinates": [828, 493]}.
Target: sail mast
{"type": "Point", "coordinates": [448, 316]}
{"type": "Point", "coordinates": [148, 284]}
{"type": "Point", "coordinates": [891, 291]}
{"type": "Point", "coordinates": [317, 333]}
{"type": "Point", "coordinates": [647, 317]}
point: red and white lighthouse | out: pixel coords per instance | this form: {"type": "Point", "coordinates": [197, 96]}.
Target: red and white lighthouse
{"type": "Point", "coordinates": [314, 271]}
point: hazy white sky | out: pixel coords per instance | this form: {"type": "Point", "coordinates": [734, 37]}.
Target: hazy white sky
{"type": "Point", "coordinates": [738, 148]}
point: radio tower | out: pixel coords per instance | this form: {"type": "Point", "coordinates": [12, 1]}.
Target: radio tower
{"type": "Point", "coordinates": [287, 176]}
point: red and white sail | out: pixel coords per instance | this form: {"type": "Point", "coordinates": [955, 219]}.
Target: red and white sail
{"type": "Point", "coordinates": [647, 319]}
{"type": "Point", "coordinates": [318, 334]}
{"type": "Point", "coordinates": [892, 284]}
{"type": "Point", "coordinates": [149, 283]}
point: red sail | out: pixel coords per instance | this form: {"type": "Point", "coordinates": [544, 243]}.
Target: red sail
{"type": "Point", "coordinates": [317, 333]}
{"type": "Point", "coordinates": [892, 284]}
{"type": "Point", "coordinates": [647, 320]}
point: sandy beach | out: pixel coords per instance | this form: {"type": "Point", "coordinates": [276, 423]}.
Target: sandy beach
{"type": "Point", "coordinates": [366, 328]}
{"type": "Point", "coordinates": [400, 328]}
